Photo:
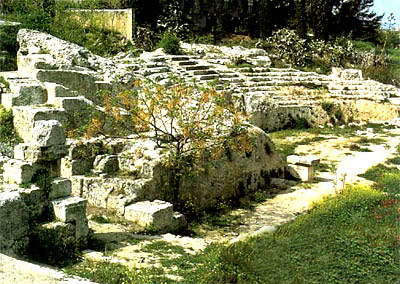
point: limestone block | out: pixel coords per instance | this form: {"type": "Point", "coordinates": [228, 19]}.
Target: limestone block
{"type": "Point", "coordinates": [106, 164]}
{"type": "Point", "coordinates": [27, 152]}
{"type": "Point", "coordinates": [78, 110]}
{"type": "Point", "coordinates": [60, 187]}
{"type": "Point", "coordinates": [48, 133]}
{"type": "Point", "coordinates": [14, 224]}
{"type": "Point", "coordinates": [71, 167]}
{"type": "Point", "coordinates": [85, 149]}
{"type": "Point", "coordinates": [25, 94]}
{"type": "Point", "coordinates": [36, 200]}
{"type": "Point", "coordinates": [69, 209]}
{"type": "Point", "coordinates": [72, 209]}
{"type": "Point", "coordinates": [150, 214]}
{"type": "Point", "coordinates": [20, 172]}
{"type": "Point", "coordinates": [26, 116]}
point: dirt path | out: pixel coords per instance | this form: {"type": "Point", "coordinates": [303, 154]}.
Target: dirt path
{"type": "Point", "coordinates": [265, 216]}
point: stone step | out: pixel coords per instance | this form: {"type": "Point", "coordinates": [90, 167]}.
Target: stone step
{"type": "Point", "coordinates": [81, 81]}
{"type": "Point", "coordinates": [187, 63]}
{"type": "Point", "coordinates": [206, 77]}
{"type": "Point", "coordinates": [155, 70]}
{"type": "Point", "coordinates": [24, 92]}
{"type": "Point", "coordinates": [27, 117]}
{"type": "Point", "coordinates": [179, 58]}
{"type": "Point", "coordinates": [154, 64]}
{"type": "Point", "coordinates": [203, 72]}
{"type": "Point", "coordinates": [56, 90]}
{"type": "Point", "coordinates": [196, 67]}
{"type": "Point", "coordinates": [72, 210]}
{"type": "Point", "coordinates": [31, 62]}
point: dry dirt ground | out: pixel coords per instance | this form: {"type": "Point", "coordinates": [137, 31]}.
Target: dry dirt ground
{"type": "Point", "coordinates": [343, 166]}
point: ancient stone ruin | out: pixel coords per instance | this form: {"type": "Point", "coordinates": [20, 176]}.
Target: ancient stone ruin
{"type": "Point", "coordinates": [48, 180]}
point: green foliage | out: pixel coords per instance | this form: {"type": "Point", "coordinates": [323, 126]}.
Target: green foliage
{"type": "Point", "coordinates": [385, 178]}
{"type": "Point", "coordinates": [288, 45]}
{"type": "Point", "coordinates": [114, 273]}
{"type": "Point", "coordinates": [7, 134]}
{"type": "Point", "coordinates": [170, 43]}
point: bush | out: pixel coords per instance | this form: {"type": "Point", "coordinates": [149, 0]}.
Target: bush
{"type": "Point", "coordinates": [170, 43]}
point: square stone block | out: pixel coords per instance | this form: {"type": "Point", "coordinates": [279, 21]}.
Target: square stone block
{"type": "Point", "coordinates": [19, 172]}
{"type": "Point", "coordinates": [69, 209]}
{"type": "Point", "coordinates": [60, 187]}
{"type": "Point", "coordinates": [156, 214]}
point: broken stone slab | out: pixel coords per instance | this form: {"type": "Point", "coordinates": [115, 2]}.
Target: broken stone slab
{"type": "Point", "coordinates": [30, 153]}
{"type": "Point", "coordinates": [106, 164]}
{"type": "Point", "coordinates": [47, 133]}
{"type": "Point", "coordinates": [155, 214]}
{"type": "Point", "coordinates": [69, 209]}
{"type": "Point", "coordinates": [20, 172]}
{"type": "Point", "coordinates": [73, 209]}
{"type": "Point", "coordinates": [14, 225]}
{"type": "Point", "coordinates": [60, 187]}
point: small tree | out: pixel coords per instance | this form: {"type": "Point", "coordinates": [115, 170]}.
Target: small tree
{"type": "Point", "coordinates": [195, 125]}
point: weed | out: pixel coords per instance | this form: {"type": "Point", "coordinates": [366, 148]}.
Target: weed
{"type": "Point", "coordinates": [170, 43]}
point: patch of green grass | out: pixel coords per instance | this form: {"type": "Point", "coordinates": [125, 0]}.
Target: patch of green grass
{"type": "Point", "coordinates": [368, 141]}
{"type": "Point", "coordinates": [344, 239]}
{"type": "Point", "coordinates": [358, 148]}
{"type": "Point", "coordinates": [395, 161]}
{"type": "Point", "coordinates": [163, 247]}
{"type": "Point", "coordinates": [101, 219]}
{"type": "Point", "coordinates": [385, 178]}
{"type": "Point", "coordinates": [114, 273]}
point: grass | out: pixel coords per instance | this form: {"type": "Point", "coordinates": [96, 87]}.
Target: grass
{"type": "Point", "coordinates": [350, 238]}
{"type": "Point", "coordinates": [286, 147]}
